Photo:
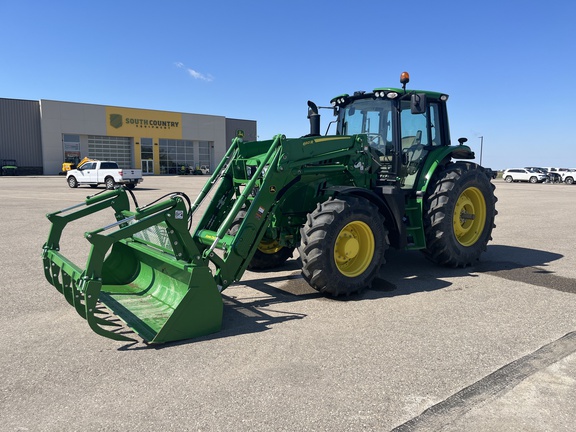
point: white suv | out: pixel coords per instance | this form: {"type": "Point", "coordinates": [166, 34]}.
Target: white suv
{"type": "Point", "coordinates": [522, 174]}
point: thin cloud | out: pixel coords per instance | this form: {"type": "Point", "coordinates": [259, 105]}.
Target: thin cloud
{"type": "Point", "coordinates": [193, 73]}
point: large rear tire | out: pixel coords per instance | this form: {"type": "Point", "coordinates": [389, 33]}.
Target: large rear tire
{"type": "Point", "coordinates": [459, 214]}
{"type": "Point", "coordinates": [343, 245]}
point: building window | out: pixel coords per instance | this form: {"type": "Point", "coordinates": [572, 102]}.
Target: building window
{"type": "Point", "coordinates": [146, 151]}
{"type": "Point", "coordinates": [71, 145]}
{"type": "Point", "coordinates": [205, 153]}
{"type": "Point", "coordinates": [175, 154]}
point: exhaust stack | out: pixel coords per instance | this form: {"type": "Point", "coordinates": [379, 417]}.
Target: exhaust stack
{"type": "Point", "coordinates": [314, 118]}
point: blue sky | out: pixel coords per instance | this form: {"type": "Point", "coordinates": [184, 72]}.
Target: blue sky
{"type": "Point", "coordinates": [508, 66]}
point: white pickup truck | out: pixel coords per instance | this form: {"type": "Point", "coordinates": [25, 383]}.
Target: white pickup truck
{"type": "Point", "coordinates": [103, 172]}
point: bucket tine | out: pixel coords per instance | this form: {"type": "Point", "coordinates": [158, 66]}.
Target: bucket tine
{"type": "Point", "coordinates": [61, 280]}
{"type": "Point", "coordinates": [91, 297]}
{"type": "Point", "coordinates": [69, 290]}
{"type": "Point", "coordinates": [49, 274]}
{"type": "Point", "coordinates": [80, 307]}
{"type": "Point", "coordinates": [145, 268]}
{"type": "Point", "coordinates": [66, 285]}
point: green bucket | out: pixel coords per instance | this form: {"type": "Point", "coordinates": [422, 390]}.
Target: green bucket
{"type": "Point", "coordinates": [145, 268]}
{"type": "Point", "coordinates": [160, 298]}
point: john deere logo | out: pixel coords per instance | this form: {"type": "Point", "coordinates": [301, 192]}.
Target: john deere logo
{"type": "Point", "coordinates": [116, 120]}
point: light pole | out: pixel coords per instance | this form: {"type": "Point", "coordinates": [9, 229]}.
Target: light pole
{"type": "Point", "coordinates": [481, 146]}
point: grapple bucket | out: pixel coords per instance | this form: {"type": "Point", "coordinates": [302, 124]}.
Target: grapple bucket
{"type": "Point", "coordinates": [144, 267]}
{"type": "Point", "coordinates": [149, 270]}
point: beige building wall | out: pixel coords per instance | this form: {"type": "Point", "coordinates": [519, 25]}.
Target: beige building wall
{"type": "Point", "coordinates": [59, 118]}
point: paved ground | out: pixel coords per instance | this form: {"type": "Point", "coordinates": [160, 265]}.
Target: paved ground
{"type": "Point", "coordinates": [489, 348]}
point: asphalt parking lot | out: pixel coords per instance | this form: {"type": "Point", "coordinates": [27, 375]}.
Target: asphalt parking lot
{"type": "Point", "coordinates": [488, 348]}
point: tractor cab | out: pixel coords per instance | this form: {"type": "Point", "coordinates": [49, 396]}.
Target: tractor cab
{"type": "Point", "coordinates": [402, 128]}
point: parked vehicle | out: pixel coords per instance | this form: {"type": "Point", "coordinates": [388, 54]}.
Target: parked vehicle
{"type": "Point", "coordinates": [522, 174]}
{"type": "Point", "coordinates": [568, 175]}
{"type": "Point", "coordinates": [74, 163]}
{"type": "Point", "coordinates": [108, 173]}
{"type": "Point", "coordinates": [203, 169]}
{"type": "Point", "coordinates": [552, 176]}
{"type": "Point", "coordinates": [9, 167]}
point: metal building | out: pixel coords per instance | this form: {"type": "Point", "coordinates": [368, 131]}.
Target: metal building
{"type": "Point", "coordinates": [40, 135]}
{"type": "Point", "coordinates": [20, 138]}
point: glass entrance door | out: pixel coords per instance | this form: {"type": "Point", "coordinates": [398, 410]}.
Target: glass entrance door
{"type": "Point", "coordinates": [147, 166]}
{"type": "Point", "coordinates": [147, 156]}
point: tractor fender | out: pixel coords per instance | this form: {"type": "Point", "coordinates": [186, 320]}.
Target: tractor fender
{"type": "Point", "coordinates": [390, 202]}
{"type": "Point", "coordinates": [438, 157]}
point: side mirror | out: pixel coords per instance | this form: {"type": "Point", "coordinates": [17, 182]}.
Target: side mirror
{"type": "Point", "coordinates": [418, 103]}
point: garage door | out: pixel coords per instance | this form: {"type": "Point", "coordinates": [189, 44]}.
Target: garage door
{"type": "Point", "coordinates": [118, 149]}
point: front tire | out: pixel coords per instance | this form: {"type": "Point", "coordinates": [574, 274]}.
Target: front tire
{"type": "Point", "coordinates": [343, 245]}
{"type": "Point", "coordinates": [459, 214]}
{"type": "Point", "coordinates": [533, 179]}
{"type": "Point", "coordinates": [270, 254]}
{"type": "Point", "coordinates": [569, 180]}
{"type": "Point", "coordinates": [72, 182]}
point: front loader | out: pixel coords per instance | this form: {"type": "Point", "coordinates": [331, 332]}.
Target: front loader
{"type": "Point", "coordinates": [387, 178]}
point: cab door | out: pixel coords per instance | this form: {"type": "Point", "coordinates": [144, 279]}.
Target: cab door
{"type": "Point", "coordinates": [420, 133]}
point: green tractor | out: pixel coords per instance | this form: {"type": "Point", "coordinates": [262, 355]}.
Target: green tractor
{"type": "Point", "coordinates": [387, 178]}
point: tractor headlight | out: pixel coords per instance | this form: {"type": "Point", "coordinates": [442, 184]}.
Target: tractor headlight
{"type": "Point", "coordinates": [385, 94]}
{"type": "Point", "coordinates": [339, 100]}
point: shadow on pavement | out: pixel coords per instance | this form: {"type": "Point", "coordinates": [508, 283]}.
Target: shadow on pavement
{"type": "Point", "coordinates": [405, 272]}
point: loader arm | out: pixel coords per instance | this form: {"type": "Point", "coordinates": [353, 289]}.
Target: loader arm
{"type": "Point", "coordinates": [259, 180]}
{"type": "Point", "coordinates": [164, 282]}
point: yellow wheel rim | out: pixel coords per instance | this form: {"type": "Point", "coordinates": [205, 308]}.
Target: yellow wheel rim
{"type": "Point", "coordinates": [469, 216]}
{"type": "Point", "coordinates": [269, 247]}
{"type": "Point", "coordinates": [354, 249]}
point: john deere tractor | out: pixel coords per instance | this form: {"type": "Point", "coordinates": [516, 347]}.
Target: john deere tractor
{"type": "Point", "coordinates": [389, 177]}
